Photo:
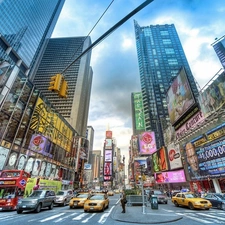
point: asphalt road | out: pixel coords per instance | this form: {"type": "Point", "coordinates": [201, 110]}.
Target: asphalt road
{"type": "Point", "coordinates": [64, 215]}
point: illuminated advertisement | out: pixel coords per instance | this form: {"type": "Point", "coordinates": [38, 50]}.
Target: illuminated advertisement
{"type": "Point", "coordinates": [179, 97]}
{"type": "Point", "coordinates": [106, 178]}
{"type": "Point", "coordinates": [147, 143]}
{"type": "Point", "coordinates": [170, 177]}
{"type": "Point", "coordinates": [159, 160]}
{"type": "Point", "coordinates": [87, 166]}
{"type": "Point", "coordinates": [3, 156]}
{"type": "Point", "coordinates": [169, 134]}
{"type": "Point", "coordinates": [213, 97]}
{"type": "Point", "coordinates": [107, 169]}
{"type": "Point", "coordinates": [190, 124]}
{"type": "Point", "coordinates": [139, 111]}
{"type": "Point", "coordinates": [108, 134]}
{"type": "Point", "coordinates": [134, 146]}
{"type": "Point", "coordinates": [108, 155]}
{"type": "Point", "coordinates": [207, 160]}
{"type": "Point", "coordinates": [108, 143]}
{"type": "Point", "coordinates": [48, 123]}
{"type": "Point", "coordinates": [174, 156]}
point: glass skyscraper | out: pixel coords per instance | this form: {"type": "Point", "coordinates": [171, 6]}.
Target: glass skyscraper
{"type": "Point", "coordinates": [26, 24]}
{"type": "Point", "coordinates": [160, 57]}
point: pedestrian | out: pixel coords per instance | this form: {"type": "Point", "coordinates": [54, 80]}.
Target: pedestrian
{"type": "Point", "coordinates": [123, 201]}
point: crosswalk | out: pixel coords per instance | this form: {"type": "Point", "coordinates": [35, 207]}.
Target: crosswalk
{"type": "Point", "coordinates": [56, 217]}
{"type": "Point", "coordinates": [213, 216]}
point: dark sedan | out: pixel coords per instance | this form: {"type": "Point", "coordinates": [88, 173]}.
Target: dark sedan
{"type": "Point", "coordinates": [217, 200]}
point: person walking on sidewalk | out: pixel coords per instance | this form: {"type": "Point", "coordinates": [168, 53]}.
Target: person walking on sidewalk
{"type": "Point", "coordinates": [123, 201]}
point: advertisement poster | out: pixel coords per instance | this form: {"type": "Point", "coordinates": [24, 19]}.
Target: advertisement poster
{"type": "Point", "coordinates": [207, 161]}
{"type": "Point", "coordinates": [159, 160]}
{"type": "Point", "coordinates": [174, 156]}
{"type": "Point", "coordinates": [87, 166]}
{"type": "Point", "coordinates": [170, 177]}
{"type": "Point", "coordinates": [108, 143]}
{"type": "Point", "coordinates": [108, 155]}
{"type": "Point", "coordinates": [147, 145]}
{"type": "Point", "coordinates": [3, 156]}
{"type": "Point", "coordinates": [108, 169]}
{"type": "Point", "coordinates": [12, 160]}
{"type": "Point", "coordinates": [22, 161]}
{"type": "Point", "coordinates": [179, 97]}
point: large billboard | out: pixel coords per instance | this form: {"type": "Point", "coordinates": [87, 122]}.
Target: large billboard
{"type": "Point", "coordinates": [170, 177]}
{"type": "Point", "coordinates": [107, 169]}
{"type": "Point", "coordinates": [108, 155]}
{"type": "Point", "coordinates": [174, 156]}
{"type": "Point", "coordinates": [139, 111]}
{"type": "Point", "coordinates": [108, 143]}
{"type": "Point", "coordinates": [180, 98]}
{"type": "Point", "coordinates": [159, 160]}
{"type": "Point", "coordinates": [213, 97]}
{"type": "Point", "coordinates": [147, 145]}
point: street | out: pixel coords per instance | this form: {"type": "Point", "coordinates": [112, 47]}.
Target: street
{"type": "Point", "coordinates": [77, 216]}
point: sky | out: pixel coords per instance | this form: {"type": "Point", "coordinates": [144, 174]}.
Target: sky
{"type": "Point", "coordinates": [114, 60]}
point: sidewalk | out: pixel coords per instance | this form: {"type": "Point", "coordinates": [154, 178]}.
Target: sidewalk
{"type": "Point", "coordinates": [134, 214]}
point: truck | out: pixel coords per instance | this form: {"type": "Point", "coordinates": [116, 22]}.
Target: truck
{"type": "Point", "coordinates": [12, 188]}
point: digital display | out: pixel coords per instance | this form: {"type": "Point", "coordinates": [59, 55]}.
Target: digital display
{"type": "Point", "coordinates": [170, 177]}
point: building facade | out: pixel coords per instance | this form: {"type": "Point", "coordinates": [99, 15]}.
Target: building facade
{"type": "Point", "coordinates": [58, 55]}
{"type": "Point", "coordinates": [160, 57]}
{"type": "Point", "coordinates": [219, 47]}
{"type": "Point", "coordinates": [27, 24]}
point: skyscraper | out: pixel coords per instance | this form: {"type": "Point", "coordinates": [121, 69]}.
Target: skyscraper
{"type": "Point", "coordinates": [59, 53]}
{"type": "Point", "coordinates": [26, 24]}
{"type": "Point", "coordinates": [219, 47]}
{"type": "Point", "coordinates": [160, 57]}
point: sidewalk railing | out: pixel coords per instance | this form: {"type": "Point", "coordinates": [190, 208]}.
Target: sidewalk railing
{"type": "Point", "coordinates": [133, 200]}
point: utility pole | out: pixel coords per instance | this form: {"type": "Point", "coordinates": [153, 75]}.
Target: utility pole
{"type": "Point", "coordinates": [142, 169]}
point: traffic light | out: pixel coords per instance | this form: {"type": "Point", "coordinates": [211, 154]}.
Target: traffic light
{"type": "Point", "coordinates": [55, 83]}
{"type": "Point", "coordinates": [63, 92]}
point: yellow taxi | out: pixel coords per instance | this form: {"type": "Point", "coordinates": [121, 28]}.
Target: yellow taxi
{"type": "Point", "coordinates": [110, 193]}
{"type": "Point", "coordinates": [79, 200]}
{"type": "Point", "coordinates": [97, 202]}
{"type": "Point", "coordinates": [190, 200]}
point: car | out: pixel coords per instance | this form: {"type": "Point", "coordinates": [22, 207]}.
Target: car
{"type": "Point", "coordinates": [97, 202]}
{"type": "Point", "coordinates": [162, 198]}
{"type": "Point", "coordinates": [117, 191]}
{"type": "Point", "coordinates": [189, 199]}
{"type": "Point", "coordinates": [37, 200]}
{"type": "Point", "coordinates": [217, 200]}
{"type": "Point", "coordinates": [63, 197]}
{"type": "Point", "coordinates": [110, 193]}
{"type": "Point", "coordinates": [79, 200]}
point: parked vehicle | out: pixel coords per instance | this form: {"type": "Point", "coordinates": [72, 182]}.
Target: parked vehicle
{"type": "Point", "coordinates": [162, 198]}
{"type": "Point", "coordinates": [190, 200]}
{"type": "Point", "coordinates": [79, 200]}
{"type": "Point", "coordinates": [37, 200]}
{"type": "Point", "coordinates": [63, 197]}
{"type": "Point", "coordinates": [217, 199]}
{"type": "Point", "coordinates": [97, 202]}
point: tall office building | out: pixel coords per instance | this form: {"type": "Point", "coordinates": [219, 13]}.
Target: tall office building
{"type": "Point", "coordinates": [58, 55]}
{"type": "Point", "coordinates": [26, 24]}
{"type": "Point", "coordinates": [160, 57]}
{"type": "Point", "coordinates": [219, 47]}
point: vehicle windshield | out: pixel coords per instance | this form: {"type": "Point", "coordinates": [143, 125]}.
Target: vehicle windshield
{"type": "Point", "coordinates": [36, 194]}
{"type": "Point", "coordinates": [190, 196]}
{"type": "Point", "coordinates": [97, 197]}
{"type": "Point", "coordinates": [82, 196]}
{"type": "Point", "coordinates": [221, 196]}
{"type": "Point", "coordinates": [158, 193]}
{"type": "Point", "coordinates": [7, 193]}
{"type": "Point", "coordinates": [60, 193]}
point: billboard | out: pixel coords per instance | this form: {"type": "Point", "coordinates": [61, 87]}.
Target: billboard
{"type": "Point", "coordinates": [170, 177]}
{"type": "Point", "coordinates": [174, 156]}
{"type": "Point", "coordinates": [107, 169]}
{"type": "Point", "coordinates": [87, 166]}
{"type": "Point", "coordinates": [139, 111]}
{"type": "Point", "coordinates": [213, 98]}
{"type": "Point", "coordinates": [180, 98]}
{"type": "Point", "coordinates": [147, 143]}
{"type": "Point", "coordinates": [108, 143]}
{"type": "Point", "coordinates": [108, 155]}
{"type": "Point", "coordinates": [108, 134]}
{"type": "Point", "coordinates": [159, 160]}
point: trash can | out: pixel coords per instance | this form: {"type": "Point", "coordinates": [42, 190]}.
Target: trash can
{"type": "Point", "coordinates": [154, 202]}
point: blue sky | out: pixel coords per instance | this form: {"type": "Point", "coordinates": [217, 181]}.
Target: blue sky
{"type": "Point", "coordinates": [114, 60]}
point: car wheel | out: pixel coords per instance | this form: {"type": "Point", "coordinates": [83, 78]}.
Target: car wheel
{"type": "Point", "coordinates": [223, 206]}
{"type": "Point", "coordinates": [71, 207]}
{"type": "Point", "coordinates": [19, 211]}
{"type": "Point", "coordinates": [64, 203]}
{"type": "Point", "coordinates": [38, 209]}
{"type": "Point", "coordinates": [176, 204]}
{"type": "Point", "coordinates": [190, 205]}
{"type": "Point", "coordinates": [165, 202]}
{"type": "Point", "coordinates": [51, 206]}
{"type": "Point", "coordinates": [103, 208]}
{"type": "Point", "coordinates": [85, 210]}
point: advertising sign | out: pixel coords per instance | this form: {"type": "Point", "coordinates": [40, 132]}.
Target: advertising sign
{"type": "Point", "coordinates": [107, 169]}
{"type": "Point", "coordinates": [108, 155]}
{"type": "Point", "coordinates": [139, 111]}
{"type": "Point", "coordinates": [108, 134]}
{"type": "Point", "coordinates": [179, 97]}
{"type": "Point", "coordinates": [3, 156]}
{"type": "Point", "coordinates": [108, 143]}
{"type": "Point", "coordinates": [87, 166]}
{"type": "Point", "coordinates": [147, 143]}
{"type": "Point", "coordinates": [159, 160]}
{"type": "Point", "coordinates": [206, 161]}
{"type": "Point", "coordinates": [213, 98]}
{"type": "Point", "coordinates": [170, 177]}
{"type": "Point", "coordinates": [174, 156]}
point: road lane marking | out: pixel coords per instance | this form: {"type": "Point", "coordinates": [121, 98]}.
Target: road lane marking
{"type": "Point", "coordinates": [86, 220]}
{"type": "Point", "coordinates": [52, 217]}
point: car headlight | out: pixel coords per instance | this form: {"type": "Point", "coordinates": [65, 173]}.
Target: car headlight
{"type": "Point", "coordinates": [20, 201]}
{"type": "Point", "coordinates": [34, 201]}
{"type": "Point", "coordinates": [99, 204]}
{"type": "Point", "coordinates": [82, 201]}
{"type": "Point", "coordinates": [60, 198]}
{"type": "Point", "coordinates": [197, 203]}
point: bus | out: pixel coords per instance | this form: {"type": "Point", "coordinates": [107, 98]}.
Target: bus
{"type": "Point", "coordinates": [12, 187]}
